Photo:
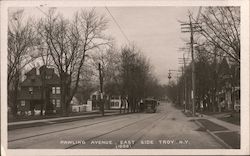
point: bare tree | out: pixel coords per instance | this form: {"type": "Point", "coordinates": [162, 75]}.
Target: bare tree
{"type": "Point", "coordinates": [221, 31]}
{"type": "Point", "coordinates": [21, 52]}
{"type": "Point", "coordinates": [68, 43]}
{"type": "Point", "coordinates": [219, 38]}
{"type": "Point", "coordinates": [135, 73]}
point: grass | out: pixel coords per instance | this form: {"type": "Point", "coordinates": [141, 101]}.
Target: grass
{"type": "Point", "coordinates": [231, 138]}
{"type": "Point", "coordinates": [229, 116]}
{"type": "Point", "coordinates": [211, 126]}
{"type": "Point", "coordinates": [233, 118]}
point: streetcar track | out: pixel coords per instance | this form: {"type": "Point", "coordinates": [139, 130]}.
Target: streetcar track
{"type": "Point", "coordinates": [151, 126]}
{"type": "Point", "coordinates": [66, 129]}
{"type": "Point", "coordinates": [127, 125]}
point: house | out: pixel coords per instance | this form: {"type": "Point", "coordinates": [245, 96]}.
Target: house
{"type": "Point", "coordinates": [116, 102]}
{"type": "Point", "coordinates": [95, 98]}
{"type": "Point", "coordinates": [110, 101]}
{"type": "Point", "coordinates": [40, 91]}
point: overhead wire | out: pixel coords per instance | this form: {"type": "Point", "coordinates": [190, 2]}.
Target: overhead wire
{"type": "Point", "coordinates": [123, 33]}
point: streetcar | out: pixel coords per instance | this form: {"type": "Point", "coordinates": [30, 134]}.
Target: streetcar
{"type": "Point", "coordinates": [150, 105]}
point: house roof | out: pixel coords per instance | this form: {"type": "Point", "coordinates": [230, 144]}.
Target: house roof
{"type": "Point", "coordinates": [149, 99]}
{"type": "Point", "coordinates": [36, 80]}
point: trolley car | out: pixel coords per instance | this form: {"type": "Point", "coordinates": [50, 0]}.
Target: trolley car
{"type": "Point", "coordinates": [150, 105]}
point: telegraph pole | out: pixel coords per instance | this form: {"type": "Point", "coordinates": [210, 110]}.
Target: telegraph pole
{"type": "Point", "coordinates": [101, 88]}
{"type": "Point", "coordinates": [177, 77]}
{"type": "Point", "coordinates": [183, 61]}
{"type": "Point", "coordinates": [191, 27]}
{"type": "Point", "coordinates": [185, 85]}
{"type": "Point", "coordinates": [193, 66]}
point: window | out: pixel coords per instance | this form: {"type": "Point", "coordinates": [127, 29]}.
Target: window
{"type": "Point", "coordinates": [58, 103]}
{"type": "Point", "coordinates": [22, 103]}
{"type": "Point", "coordinates": [31, 90]}
{"type": "Point", "coordinates": [115, 97]}
{"type": "Point", "coordinates": [53, 102]}
{"type": "Point", "coordinates": [116, 104]}
{"type": "Point", "coordinates": [56, 90]}
{"type": "Point", "coordinates": [53, 90]}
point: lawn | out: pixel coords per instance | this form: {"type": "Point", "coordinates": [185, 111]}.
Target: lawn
{"type": "Point", "coordinates": [233, 118]}
{"type": "Point", "coordinates": [231, 138]}
{"type": "Point", "coordinates": [211, 126]}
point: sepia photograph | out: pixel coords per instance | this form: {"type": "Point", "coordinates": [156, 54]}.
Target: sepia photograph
{"type": "Point", "coordinates": [125, 77]}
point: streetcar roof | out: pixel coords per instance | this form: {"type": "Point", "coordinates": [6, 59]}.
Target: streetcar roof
{"type": "Point", "coordinates": [149, 99]}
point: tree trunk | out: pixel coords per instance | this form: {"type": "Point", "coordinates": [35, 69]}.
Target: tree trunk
{"type": "Point", "coordinates": [14, 104]}
{"type": "Point", "coordinates": [121, 105]}
{"type": "Point", "coordinates": [63, 95]}
{"type": "Point", "coordinates": [15, 94]}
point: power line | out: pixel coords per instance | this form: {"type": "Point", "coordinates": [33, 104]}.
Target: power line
{"type": "Point", "coordinates": [42, 11]}
{"type": "Point", "coordinates": [125, 36]}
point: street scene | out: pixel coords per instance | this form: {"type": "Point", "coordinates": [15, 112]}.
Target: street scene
{"type": "Point", "coordinates": [167, 128]}
{"type": "Point", "coordinates": [124, 77]}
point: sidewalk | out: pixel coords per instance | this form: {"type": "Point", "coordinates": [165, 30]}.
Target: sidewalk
{"type": "Point", "coordinates": [42, 122]}
{"type": "Point", "coordinates": [226, 133]}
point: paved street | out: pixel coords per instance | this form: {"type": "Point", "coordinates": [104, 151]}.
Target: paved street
{"type": "Point", "coordinates": [168, 128]}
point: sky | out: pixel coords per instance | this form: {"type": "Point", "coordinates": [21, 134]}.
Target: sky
{"type": "Point", "coordinates": [155, 30]}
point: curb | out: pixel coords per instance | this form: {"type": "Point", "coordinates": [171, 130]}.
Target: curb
{"type": "Point", "coordinates": [214, 136]}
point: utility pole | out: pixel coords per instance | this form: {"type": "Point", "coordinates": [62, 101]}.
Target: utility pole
{"type": "Point", "coordinates": [193, 65]}
{"type": "Point", "coordinates": [182, 61]}
{"type": "Point", "coordinates": [101, 88]}
{"type": "Point", "coordinates": [191, 27]}
{"type": "Point", "coordinates": [185, 84]}
{"type": "Point", "coordinates": [177, 77]}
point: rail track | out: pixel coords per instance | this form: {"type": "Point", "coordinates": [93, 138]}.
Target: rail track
{"type": "Point", "coordinates": [140, 131]}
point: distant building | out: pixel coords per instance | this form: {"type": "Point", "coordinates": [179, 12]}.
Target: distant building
{"type": "Point", "coordinates": [95, 98]}
{"type": "Point", "coordinates": [115, 102]}
{"type": "Point", "coordinates": [40, 90]}
{"type": "Point", "coordinates": [110, 101]}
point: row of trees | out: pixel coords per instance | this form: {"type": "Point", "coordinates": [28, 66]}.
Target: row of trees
{"type": "Point", "coordinates": [217, 57]}
{"type": "Point", "coordinates": [130, 75]}
{"type": "Point", "coordinates": [74, 48]}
